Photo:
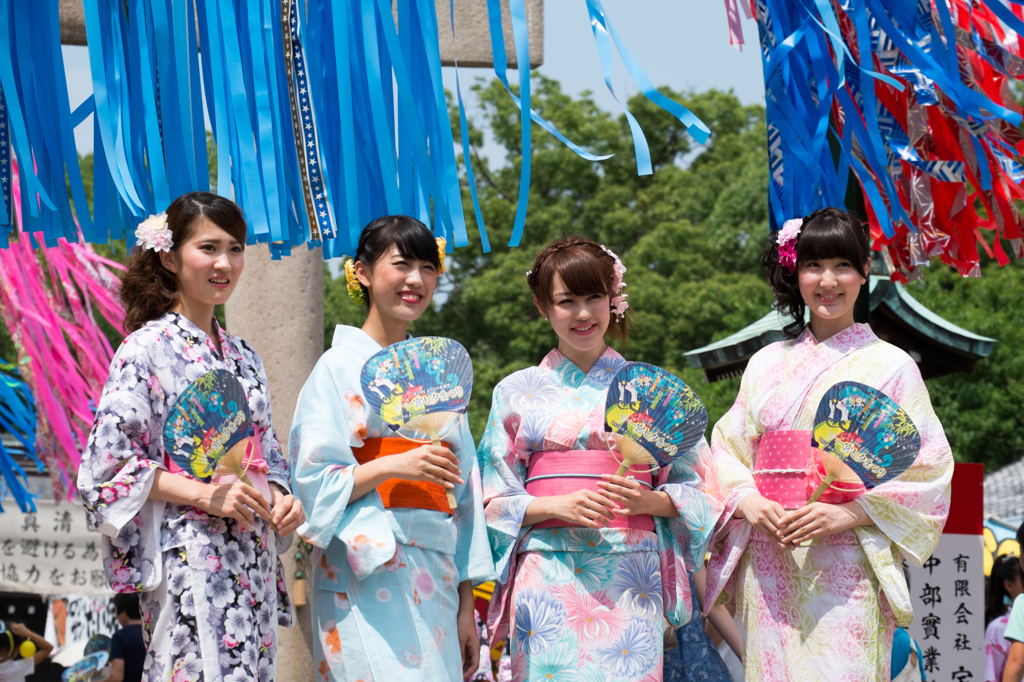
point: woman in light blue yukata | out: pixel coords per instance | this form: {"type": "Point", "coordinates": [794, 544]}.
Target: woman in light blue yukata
{"type": "Point", "coordinates": [392, 585]}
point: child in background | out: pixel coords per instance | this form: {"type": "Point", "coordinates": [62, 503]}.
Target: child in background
{"type": "Point", "coordinates": [14, 669]}
{"type": "Point", "coordinates": [1014, 670]}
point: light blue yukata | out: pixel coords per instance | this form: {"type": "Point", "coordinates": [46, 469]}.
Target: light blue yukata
{"type": "Point", "coordinates": [385, 581]}
{"type": "Point", "coordinates": [583, 604]}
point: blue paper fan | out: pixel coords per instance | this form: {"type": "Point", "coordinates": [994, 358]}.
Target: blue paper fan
{"type": "Point", "coordinates": [654, 415]}
{"type": "Point", "coordinates": [85, 668]}
{"type": "Point", "coordinates": [423, 384]}
{"type": "Point", "coordinates": [209, 418]}
{"type": "Point", "coordinates": [867, 431]}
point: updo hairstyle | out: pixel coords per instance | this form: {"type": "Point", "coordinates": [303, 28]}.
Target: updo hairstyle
{"type": "Point", "coordinates": [413, 239]}
{"type": "Point", "coordinates": [584, 267]}
{"type": "Point", "coordinates": [827, 233]}
{"type": "Point", "coordinates": [148, 289]}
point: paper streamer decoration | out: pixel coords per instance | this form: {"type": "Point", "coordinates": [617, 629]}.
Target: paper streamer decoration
{"type": "Point", "coordinates": [422, 384]}
{"type": "Point", "coordinates": [915, 97]}
{"type": "Point", "coordinates": [653, 415]}
{"type": "Point", "coordinates": [867, 432]}
{"type": "Point", "coordinates": [18, 418]}
{"type": "Point", "coordinates": [324, 115]}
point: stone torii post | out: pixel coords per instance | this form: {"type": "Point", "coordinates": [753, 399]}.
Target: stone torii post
{"type": "Point", "coordinates": [278, 306]}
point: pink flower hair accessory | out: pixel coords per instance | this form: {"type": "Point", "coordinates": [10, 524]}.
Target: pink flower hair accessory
{"type": "Point", "coordinates": [618, 300]}
{"type": "Point", "coordinates": [153, 233]}
{"type": "Point", "coordinates": [787, 243]}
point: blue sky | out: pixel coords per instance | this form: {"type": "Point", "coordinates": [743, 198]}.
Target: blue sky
{"type": "Point", "coordinates": [680, 43]}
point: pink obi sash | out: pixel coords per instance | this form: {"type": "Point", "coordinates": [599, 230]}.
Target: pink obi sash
{"type": "Point", "coordinates": [560, 472]}
{"type": "Point", "coordinates": [779, 469]}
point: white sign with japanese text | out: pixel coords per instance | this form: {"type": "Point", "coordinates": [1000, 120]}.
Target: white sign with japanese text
{"type": "Point", "coordinates": [50, 552]}
{"type": "Point", "coordinates": [948, 594]}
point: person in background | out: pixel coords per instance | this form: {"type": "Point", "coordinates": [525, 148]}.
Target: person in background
{"type": "Point", "coordinates": [905, 665]}
{"type": "Point", "coordinates": [17, 669]}
{"type": "Point", "coordinates": [1004, 585]}
{"type": "Point", "coordinates": [1014, 666]}
{"type": "Point", "coordinates": [127, 650]}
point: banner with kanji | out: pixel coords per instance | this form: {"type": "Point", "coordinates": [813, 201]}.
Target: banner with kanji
{"type": "Point", "coordinates": [50, 552]}
{"type": "Point", "coordinates": [948, 592]}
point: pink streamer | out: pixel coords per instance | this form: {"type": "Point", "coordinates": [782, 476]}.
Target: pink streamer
{"type": "Point", "coordinates": [49, 302]}
{"type": "Point", "coordinates": [732, 11]}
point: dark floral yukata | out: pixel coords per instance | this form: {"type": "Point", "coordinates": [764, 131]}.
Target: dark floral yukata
{"type": "Point", "coordinates": [213, 591]}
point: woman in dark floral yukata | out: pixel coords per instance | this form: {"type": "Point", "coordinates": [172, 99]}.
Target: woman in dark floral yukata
{"type": "Point", "coordinates": [200, 542]}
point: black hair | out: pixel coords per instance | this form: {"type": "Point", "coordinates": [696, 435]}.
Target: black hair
{"type": "Point", "coordinates": [128, 604]}
{"type": "Point", "coordinates": [413, 239]}
{"type": "Point", "coordinates": [1005, 567]}
{"type": "Point", "coordinates": [827, 233]}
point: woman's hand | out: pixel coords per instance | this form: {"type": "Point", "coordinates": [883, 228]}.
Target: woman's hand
{"type": "Point", "coordinates": [762, 514]}
{"type": "Point", "coordinates": [237, 501]}
{"type": "Point", "coordinates": [287, 513]}
{"type": "Point", "coordinates": [632, 498]}
{"type": "Point", "coordinates": [819, 519]}
{"type": "Point", "coordinates": [469, 639]}
{"type": "Point", "coordinates": [583, 507]}
{"type": "Point", "coordinates": [433, 463]}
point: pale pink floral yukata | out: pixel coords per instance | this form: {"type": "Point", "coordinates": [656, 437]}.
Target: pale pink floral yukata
{"type": "Point", "coordinates": [997, 648]}
{"type": "Point", "coordinates": [825, 611]}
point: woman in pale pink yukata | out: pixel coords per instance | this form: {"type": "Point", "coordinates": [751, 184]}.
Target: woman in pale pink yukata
{"type": "Point", "coordinates": [590, 564]}
{"type": "Point", "coordinates": [818, 588]}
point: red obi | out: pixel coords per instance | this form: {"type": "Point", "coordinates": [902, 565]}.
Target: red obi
{"type": "Point", "coordinates": [779, 469]}
{"type": "Point", "coordinates": [560, 472]}
{"type": "Point", "coordinates": [396, 492]}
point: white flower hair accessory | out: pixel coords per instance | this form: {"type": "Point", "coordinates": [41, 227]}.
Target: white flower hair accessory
{"type": "Point", "coordinates": [153, 233]}
{"type": "Point", "coordinates": [618, 301]}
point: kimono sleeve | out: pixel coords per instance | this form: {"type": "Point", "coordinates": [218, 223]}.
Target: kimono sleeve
{"type": "Point", "coordinates": [120, 456]}
{"type": "Point", "coordinates": [472, 551]}
{"type": "Point", "coordinates": [911, 509]}
{"type": "Point", "coordinates": [272, 454]}
{"type": "Point", "coordinates": [733, 444]}
{"type": "Point", "coordinates": [683, 540]}
{"type": "Point", "coordinates": [118, 465]}
{"type": "Point", "coordinates": [322, 471]}
{"type": "Point", "coordinates": [504, 496]}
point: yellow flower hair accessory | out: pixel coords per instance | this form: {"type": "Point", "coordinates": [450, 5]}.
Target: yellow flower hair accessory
{"type": "Point", "coordinates": [355, 287]}
{"type": "Point", "coordinates": [441, 244]}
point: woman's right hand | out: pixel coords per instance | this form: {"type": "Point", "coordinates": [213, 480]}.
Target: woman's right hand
{"type": "Point", "coordinates": [584, 507]}
{"type": "Point", "coordinates": [762, 514]}
{"type": "Point", "coordinates": [237, 501]}
{"type": "Point", "coordinates": [432, 463]}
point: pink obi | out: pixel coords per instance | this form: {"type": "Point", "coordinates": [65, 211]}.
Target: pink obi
{"type": "Point", "coordinates": [560, 472]}
{"type": "Point", "coordinates": [779, 469]}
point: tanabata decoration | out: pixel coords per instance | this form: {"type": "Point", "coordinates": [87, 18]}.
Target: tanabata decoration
{"type": "Point", "coordinates": [914, 98]}
{"type": "Point", "coordinates": [53, 300]}
{"type": "Point", "coordinates": [653, 416]}
{"type": "Point", "coordinates": [863, 439]}
{"type": "Point", "coordinates": [209, 433]}
{"type": "Point", "coordinates": [85, 669]}
{"type": "Point", "coordinates": [422, 385]}
{"type": "Point", "coordinates": [324, 115]}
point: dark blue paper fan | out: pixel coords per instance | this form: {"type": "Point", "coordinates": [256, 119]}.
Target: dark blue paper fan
{"type": "Point", "coordinates": [412, 379]}
{"type": "Point", "coordinates": [867, 431]}
{"type": "Point", "coordinates": [209, 418]}
{"type": "Point", "coordinates": [656, 410]}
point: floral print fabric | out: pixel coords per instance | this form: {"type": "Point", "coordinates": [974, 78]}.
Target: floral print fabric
{"type": "Point", "coordinates": [595, 591]}
{"type": "Point", "coordinates": [792, 605]}
{"type": "Point", "coordinates": [997, 647]}
{"type": "Point", "coordinates": [385, 581]}
{"type": "Point", "coordinates": [214, 592]}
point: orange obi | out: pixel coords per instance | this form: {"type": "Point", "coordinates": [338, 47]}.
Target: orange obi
{"type": "Point", "coordinates": [396, 492]}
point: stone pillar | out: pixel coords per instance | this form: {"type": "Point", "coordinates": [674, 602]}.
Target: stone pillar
{"type": "Point", "coordinates": [278, 308]}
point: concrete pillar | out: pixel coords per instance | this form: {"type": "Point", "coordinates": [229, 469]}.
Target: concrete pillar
{"type": "Point", "coordinates": [278, 308]}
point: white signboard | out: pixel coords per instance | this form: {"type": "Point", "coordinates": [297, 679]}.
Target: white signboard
{"type": "Point", "coordinates": [74, 618]}
{"type": "Point", "coordinates": [948, 592]}
{"type": "Point", "coordinates": [50, 552]}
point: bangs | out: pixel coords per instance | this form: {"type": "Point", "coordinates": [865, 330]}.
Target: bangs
{"type": "Point", "coordinates": [413, 239]}
{"type": "Point", "coordinates": [582, 272]}
{"type": "Point", "coordinates": [827, 238]}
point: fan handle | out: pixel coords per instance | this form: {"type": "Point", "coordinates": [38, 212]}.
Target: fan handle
{"type": "Point", "coordinates": [431, 424]}
{"type": "Point", "coordinates": [632, 453]}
